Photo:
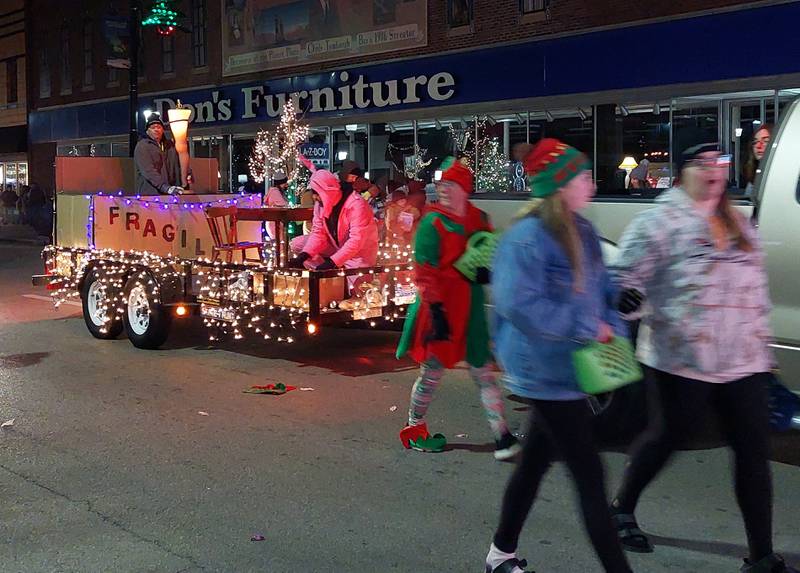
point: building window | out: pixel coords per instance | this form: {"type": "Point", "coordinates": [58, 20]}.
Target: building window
{"type": "Point", "coordinates": [633, 155]}
{"type": "Point", "coordinates": [44, 73]}
{"type": "Point", "coordinates": [199, 32]}
{"type": "Point", "coordinates": [167, 54]}
{"type": "Point", "coordinates": [66, 68]}
{"type": "Point", "coordinates": [88, 54]}
{"type": "Point", "coordinates": [459, 13]}
{"type": "Point", "coordinates": [533, 6]}
{"type": "Point", "coordinates": [11, 81]}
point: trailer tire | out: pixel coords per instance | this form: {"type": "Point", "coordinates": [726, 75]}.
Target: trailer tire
{"type": "Point", "coordinates": [93, 294]}
{"type": "Point", "coordinates": [146, 321]}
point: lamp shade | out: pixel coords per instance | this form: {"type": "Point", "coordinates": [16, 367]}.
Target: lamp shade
{"type": "Point", "coordinates": [179, 125]}
{"type": "Point", "coordinates": [179, 121]}
{"type": "Point", "coordinates": [628, 163]}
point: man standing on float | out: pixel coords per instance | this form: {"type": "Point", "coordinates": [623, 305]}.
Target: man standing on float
{"type": "Point", "coordinates": [158, 168]}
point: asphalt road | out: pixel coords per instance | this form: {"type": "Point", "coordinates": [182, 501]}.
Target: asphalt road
{"type": "Point", "coordinates": [138, 461]}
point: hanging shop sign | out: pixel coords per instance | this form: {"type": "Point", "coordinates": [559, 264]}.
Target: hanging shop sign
{"type": "Point", "coordinates": [350, 92]}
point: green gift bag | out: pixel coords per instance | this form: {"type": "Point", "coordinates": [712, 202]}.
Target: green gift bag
{"type": "Point", "coordinates": [479, 253]}
{"type": "Point", "coordinates": [601, 368]}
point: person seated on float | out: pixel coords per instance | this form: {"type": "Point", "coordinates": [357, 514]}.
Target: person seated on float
{"type": "Point", "coordinates": [158, 168]}
{"type": "Point", "coordinates": [343, 233]}
{"type": "Point", "coordinates": [276, 197]}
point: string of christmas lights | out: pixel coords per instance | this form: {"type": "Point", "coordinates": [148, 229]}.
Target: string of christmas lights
{"type": "Point", "coordinates": [277, 148]}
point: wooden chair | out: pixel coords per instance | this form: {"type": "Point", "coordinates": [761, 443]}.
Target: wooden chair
{"type": "Point", "coordinates": [222, 224]}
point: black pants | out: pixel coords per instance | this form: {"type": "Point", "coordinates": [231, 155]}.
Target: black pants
{"type": "Point", "coordinates": [564, 428]}
{"type": "Point", "coordinates": [676, 407]}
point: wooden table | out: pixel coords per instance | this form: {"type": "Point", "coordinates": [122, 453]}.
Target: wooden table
{"type": "Point", "coordinates": [281, 216]}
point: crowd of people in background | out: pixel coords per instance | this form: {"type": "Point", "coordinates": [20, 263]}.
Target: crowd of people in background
{"type": "Point", "coordinates": [27, 205]}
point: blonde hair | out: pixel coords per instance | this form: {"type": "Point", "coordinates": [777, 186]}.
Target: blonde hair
{"type": "Point", "coordinates": [560, 222]}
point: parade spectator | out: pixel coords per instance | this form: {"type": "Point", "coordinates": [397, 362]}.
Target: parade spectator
{"type": "Point", "coordinates": [447, 322]}
{"type": "Point", "coordinates": [9, 197]}
{"type": "Point", "coordinates": [758, 147]}
{"type": "Point", "coordinates": [699, 266]}
{"type": "Point", "coordinates": [553, 295]}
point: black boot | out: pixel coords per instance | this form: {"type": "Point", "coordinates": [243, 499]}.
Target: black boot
{"type": "Point", "coordinates": [770, 564]}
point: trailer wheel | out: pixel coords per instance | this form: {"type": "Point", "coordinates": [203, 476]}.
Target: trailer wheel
{"type": "Point", "coordinates": [94, 300]}
{"type": "Point", "coordinates": [146, 321]}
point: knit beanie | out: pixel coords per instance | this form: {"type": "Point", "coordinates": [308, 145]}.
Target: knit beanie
{"type": "Point", "coordinates": [551, 165]}
{"type": "Point", "coordinates": [457, 172]}
{"type": "Point", "coordinates": [693, 152]}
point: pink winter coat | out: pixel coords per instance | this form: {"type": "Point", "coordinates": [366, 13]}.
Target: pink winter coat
{"type": "Point", "coordinates": [358, 235]}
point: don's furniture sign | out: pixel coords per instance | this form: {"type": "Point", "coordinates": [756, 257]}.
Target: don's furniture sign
{"type": "Point", "coordinates": [269, 34]}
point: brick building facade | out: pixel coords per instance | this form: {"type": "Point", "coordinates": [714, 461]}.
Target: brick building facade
{"type": "Point", "coordinates": [569, 70]}
{"type": "Point", "coordinates": [13, 105]}
{"type": "Point", "coordinates": [493, 22]}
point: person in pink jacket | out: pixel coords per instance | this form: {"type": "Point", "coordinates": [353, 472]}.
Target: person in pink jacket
{"type": "Point", "coordinates": [343, 233]}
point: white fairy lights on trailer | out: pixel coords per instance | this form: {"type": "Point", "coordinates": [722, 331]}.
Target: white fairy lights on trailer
{"type": "Point", "coordinates": [238, 290]}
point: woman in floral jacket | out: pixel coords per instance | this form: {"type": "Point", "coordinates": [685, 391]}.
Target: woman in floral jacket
{"type": "Point", "coordinates": [704, 341]}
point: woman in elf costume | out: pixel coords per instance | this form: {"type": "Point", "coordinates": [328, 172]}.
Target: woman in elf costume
{"type": "Point", "coordinates": [447, 323]}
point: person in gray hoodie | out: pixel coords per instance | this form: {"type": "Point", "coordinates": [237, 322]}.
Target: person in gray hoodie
{"type": "Point", "coordinates": [158, 169]}
{"type": "Point", "coordinates": [697, 265]}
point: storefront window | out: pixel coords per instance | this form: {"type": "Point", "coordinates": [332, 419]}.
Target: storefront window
{"type": "Point", "coordinates": [242, 149]}
{"type": "Point", "coordinates": [77, 150]}
{"type": "Point", "coordinates": [11, 176]}
{"type": "Point", "coordinates": [120, 150]}
{"type": "Point", "coordinates": [632, 148]}
{"type": "Point", "coordinates": [216, 148]}
{"type": "Point", "coordinates": [785, 97]}
{"type": "Point", "coordinates": [493, 166]}
{"type": "Point", "coordinates": [350, 143]}
{"type": "Point", "coordinates": [22, 173]}
{"type": "Point", "coordinates": [436, 141]}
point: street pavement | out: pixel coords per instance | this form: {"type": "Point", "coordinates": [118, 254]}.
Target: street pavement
{"type": "Point", "coordinates": [124, 460]}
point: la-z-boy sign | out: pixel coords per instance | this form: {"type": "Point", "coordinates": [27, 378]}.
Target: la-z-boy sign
{"type": "Point", "coordinates": [346, 93]}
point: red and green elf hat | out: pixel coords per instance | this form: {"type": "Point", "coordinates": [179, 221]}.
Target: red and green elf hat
{"type": "Point", "coordinates": [457, 172]}
{"type": "Point", "coordinates": [551, 165]}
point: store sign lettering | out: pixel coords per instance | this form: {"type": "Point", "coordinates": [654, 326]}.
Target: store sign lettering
{"type": "Point", "coordinates": [356, 93]}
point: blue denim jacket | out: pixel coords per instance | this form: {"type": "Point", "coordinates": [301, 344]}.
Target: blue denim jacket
{"type": "Point", "coordinates": [539, 318]}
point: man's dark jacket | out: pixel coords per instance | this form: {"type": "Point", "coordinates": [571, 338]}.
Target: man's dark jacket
{"type": "Point", "coordinates": [157, 166]}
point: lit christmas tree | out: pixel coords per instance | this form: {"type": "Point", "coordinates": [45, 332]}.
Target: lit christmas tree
{"type": "Point", "coordinates": [493, 168]}
{"type": "Point", "coordinates": [277, 148]}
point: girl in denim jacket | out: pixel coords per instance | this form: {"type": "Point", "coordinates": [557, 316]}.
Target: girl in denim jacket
{"type": "Point", "coordinates": [552, 295]}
